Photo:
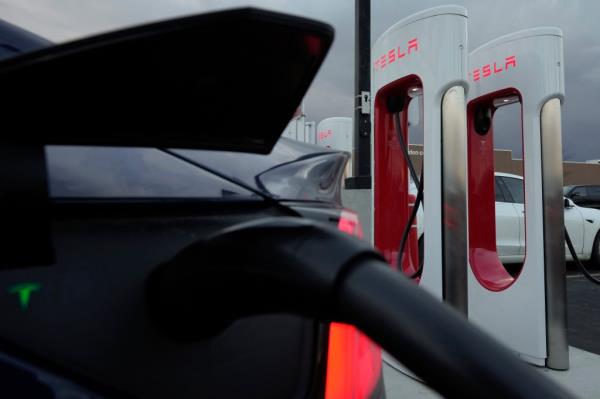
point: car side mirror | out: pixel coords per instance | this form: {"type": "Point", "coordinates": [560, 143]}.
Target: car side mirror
{"type": "Point", "coordinates": [575, 195]}
{"type": "Point", "coordinates": [568, 203]}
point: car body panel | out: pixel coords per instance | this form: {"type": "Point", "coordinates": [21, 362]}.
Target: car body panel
{"type": "Point", "coordinates": [507, 230]}
{"type": "Point", "coordinates": [89, 312]}
{"type": "Point", "coordinates": [591, 222]}
{"type": "Point", "coordinates": [168, 83]}
{"type": "Point", "coordinates": [576, 227]}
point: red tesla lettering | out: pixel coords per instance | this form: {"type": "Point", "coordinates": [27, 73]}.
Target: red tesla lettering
{"type": "Point", "coordinates": [494, 69]}
{"type": "Point", "coordinates": [391, 56]}
{"type": "Point", "coordinates": [512, 60]}
{"type": "Point", "coordinates": [413, 45]}
{"type": "Point", "coordinates": [487, 71]}
{"type": "Point", "coordinates": [324, 134]}
{"type": "Point", "coordinates": [396, 54]}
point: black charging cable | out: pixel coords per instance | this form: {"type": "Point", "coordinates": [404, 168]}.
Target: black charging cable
{"type": "Point", "coordinates": [404, 147]}
{"type": "Point", "coordinates": [395, 105]}
{"type": "Point", "coordinates": [578, 262]}
{"type": "Point", "coordinates": [407, 227]}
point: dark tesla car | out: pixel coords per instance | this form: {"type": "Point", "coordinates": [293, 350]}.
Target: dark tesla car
{"type": "Point", "coordinates": [160, 241]}
{"type": "Point", "coordinates": [118, 208]}
{"type": "Point", "coordinates": [587, 195]}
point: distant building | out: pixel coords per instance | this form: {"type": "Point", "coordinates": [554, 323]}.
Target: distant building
{"type": "Point", "coordinates": [573, 172]}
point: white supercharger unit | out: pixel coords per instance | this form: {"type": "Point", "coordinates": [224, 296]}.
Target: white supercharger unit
{"type": "Point", "coordinates": [527, 311]}
{"type": "Point", "coordinates": [423, 55]}
{"type": "Point", "coordinates": [336, 133]}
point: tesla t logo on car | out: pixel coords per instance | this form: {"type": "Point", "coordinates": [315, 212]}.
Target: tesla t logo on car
{"type": "Point", "coordinates": [396, 54]}
{"type": "Point", "coordinates": [494, 69]}
{"type": "Point", "coordinates": [24, 291]}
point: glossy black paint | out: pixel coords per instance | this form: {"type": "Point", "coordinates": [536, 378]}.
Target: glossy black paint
{"type": "Point", "coordinates": [195, 82]}
{"type": "Point", "coordinates": [90, 316]}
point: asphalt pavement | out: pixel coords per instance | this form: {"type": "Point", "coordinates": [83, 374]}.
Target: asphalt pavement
{"type": "Point", "coordinates": [583, 307]}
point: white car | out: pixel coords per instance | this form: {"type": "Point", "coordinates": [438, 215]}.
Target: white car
{"type": "Point", "coordinates": [583, 224]}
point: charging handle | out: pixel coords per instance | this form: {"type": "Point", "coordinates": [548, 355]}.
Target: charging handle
{"type": "Point", "coordinates": [395, 104]}
{"type": "Point", "coordinates": [271, 265]}
{"type": "Point", "coordinates": [483, 119]}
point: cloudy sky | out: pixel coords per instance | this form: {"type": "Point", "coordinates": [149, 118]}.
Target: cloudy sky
{"type": "Point", "coordinates": [332, 91]}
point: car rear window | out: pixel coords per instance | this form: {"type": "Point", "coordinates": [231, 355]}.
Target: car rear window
{"type": "Point", "coordinates": [108, 172]}
{"type": "Point", "coordinates": [515, 187]}
{"type": "Point", "coordinates": [292, 171]}
{"type": "Point", "coordinates": [499, 192]}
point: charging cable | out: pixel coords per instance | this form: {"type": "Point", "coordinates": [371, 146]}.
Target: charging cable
{"type": "Point", "coordinates": [418, 182]}
{"type": "Point", "coordinates": [577, 261]}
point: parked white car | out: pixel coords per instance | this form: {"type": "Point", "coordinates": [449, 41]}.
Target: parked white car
{"type": "Point", "coordinates": [583, 224]}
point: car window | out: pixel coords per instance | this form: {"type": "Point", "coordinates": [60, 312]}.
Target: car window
{"type": "Point", "coordinates": [499, 192]}
{"type": "Point", "coordinates": [515, 188]}
{"type": "Point", "coordinates": [582, 191]}
{"type": "Point", "coordinates": [594, 190]}
{"type": "Point", "coordinates": [292, 171]}
{"type": "Point", "coordinates": [108, 172]}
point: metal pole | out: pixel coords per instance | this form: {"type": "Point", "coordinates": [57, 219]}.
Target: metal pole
{"type": "Point", "coordinates": [362, 85]}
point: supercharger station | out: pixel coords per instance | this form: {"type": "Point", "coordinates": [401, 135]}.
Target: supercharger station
{"type": "Point", "coordinates": [336, 133]}
{"type": "Point", "coordinates": [424, 55]}
{"type": "Point", "coordinates": [526, 312]}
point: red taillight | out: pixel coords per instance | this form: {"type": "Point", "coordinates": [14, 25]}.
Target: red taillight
{"type": "Point", "coordinates": [350, 224]}
{"type": "Point", "coordinates": [353, 360]}
{"type": "Point", "coordinates": [353, 364]}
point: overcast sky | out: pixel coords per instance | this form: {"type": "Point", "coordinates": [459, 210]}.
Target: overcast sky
{"type": "Point", "coordinates": [331, 93]}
